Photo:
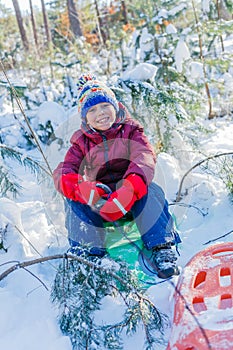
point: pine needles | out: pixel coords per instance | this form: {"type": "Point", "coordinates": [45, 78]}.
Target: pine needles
{"type": "Point", "coordinates": [8, 181]}
{"type": "Point", "coordinates": [79, 290]}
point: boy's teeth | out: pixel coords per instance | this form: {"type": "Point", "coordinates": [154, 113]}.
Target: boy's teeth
{"type": "Point", "coordinates": [102, 120]}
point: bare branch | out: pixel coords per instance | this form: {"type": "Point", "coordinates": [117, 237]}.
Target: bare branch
{"type": "Point", "coordinates": [24, 264]}
{"type": "Point", "coordinates": [216, 239]}
{"type": "Point", "coordinates": [178, 197]}
{"type": "Point", "coordinates": [190, 206]}
{"type": "Point", "coordinates": [36, 277]}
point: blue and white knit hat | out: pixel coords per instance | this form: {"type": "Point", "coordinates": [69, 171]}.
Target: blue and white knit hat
{"type": "Point", "coordinates": [91, 92]}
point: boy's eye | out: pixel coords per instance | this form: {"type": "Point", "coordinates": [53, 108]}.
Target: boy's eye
{"type": "Point", "coordinates": [92, 109]}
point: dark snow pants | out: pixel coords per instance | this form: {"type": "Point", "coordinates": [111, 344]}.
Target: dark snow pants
{"type": "Point", "coordinates": [150, 213]}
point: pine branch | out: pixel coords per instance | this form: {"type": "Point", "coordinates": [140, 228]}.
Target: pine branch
{"type": "Point", "coordinates": [80, 259]}
{"type": "Point", "coordinates": [7, 184]}
{"type": "Point", "coordinates": [79, 287]}
{"type": "Point", "coordinates": [3, 232]}
{"type": "Point", "coordinates": [27, 162]}
{"type": "Point", "coordinates": [79, 291]}
{"type": "Point", "coordinates": [32, 133]}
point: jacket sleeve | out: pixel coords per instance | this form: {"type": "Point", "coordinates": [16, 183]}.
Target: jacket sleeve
{"type": "Point", "coordinates": [73, 164]}
{"type": "Point", "coordinates": [141, 155]}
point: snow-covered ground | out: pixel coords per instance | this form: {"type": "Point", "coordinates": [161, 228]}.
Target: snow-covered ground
{"type": "Point", "coordinates": [28, 319]}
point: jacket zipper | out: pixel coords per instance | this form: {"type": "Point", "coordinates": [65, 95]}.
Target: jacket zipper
{"type": "Point", "coordinates": [106, 149]}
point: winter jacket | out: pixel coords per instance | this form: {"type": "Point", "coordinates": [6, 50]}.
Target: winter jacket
{"type": "Point", "coordinates": [111, 155]}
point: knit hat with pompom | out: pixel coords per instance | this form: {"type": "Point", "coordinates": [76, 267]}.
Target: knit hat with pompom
{"type": "Point", "coordinates": [91, 92]}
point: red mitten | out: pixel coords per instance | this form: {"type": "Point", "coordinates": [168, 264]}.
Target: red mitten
{"type": "Point", "coordinates": [69, 184]}
{"type": "Point", "coordinates": [86, 192]}
{"type": "Point", "coordinates": [139, 186]}
{"type": "Point", "coordinates": [122, 200]}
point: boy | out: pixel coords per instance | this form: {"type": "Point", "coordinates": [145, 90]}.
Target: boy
{"type": "Point", "coordinates": [111, 149]}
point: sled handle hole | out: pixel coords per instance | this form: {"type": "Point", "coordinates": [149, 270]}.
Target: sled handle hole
{"type": "Point", "coordinates": [200, 280]}
{"type": "Point", "coordinates": [225, 277]}
{"type": "Point", "coordinates": [199, 304]}
{"type": "Point", "coordinates": [222, 252]}
{"type": "Point", "coordinates": [225, 301]}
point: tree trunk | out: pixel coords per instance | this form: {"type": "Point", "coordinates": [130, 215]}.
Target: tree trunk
{"type": "Point", "coordinates": [124, 12]}
{"type": "Point", "coordinates": [33, 24]}
{"type": "Point", "coordinates": [102, 34]}
{"type": "Point", "coordinates": [224, 12]}
{"type": "Point", "coordinates": [74, 19]}
{"type": "Point", "coordinates": [20, 25]}
{"type": "Point", "coordinates": [219, 17]}
{"type": "Point", "coordinates": [46, 23]}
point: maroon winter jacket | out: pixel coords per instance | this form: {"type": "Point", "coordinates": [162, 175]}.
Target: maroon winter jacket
{"type": "Point", "coordinates": [111, 155]}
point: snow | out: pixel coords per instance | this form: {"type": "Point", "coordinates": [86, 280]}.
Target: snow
{"type": "Point", "coordinates": [143, 71]}
{"type": "Point", "coordinates": [28, 319]}
{"type": "Point", "coordinates": [171, 29]}
{"type": "Point", "coordinates": [206, 5]}
{"type": "Point", "coordinates": [196, 70]}
{"type": "Point", "coordinates": [50, 110]}
{"type": "Point", "coordinates": [181, 54]}
{"type": "Point", "coordinates": [146, 43]}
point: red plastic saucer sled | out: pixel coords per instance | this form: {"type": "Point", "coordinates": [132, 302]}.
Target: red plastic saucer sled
{"type": "Point", "coordinates": [203, 314]}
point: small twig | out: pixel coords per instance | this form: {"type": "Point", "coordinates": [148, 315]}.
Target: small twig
{"type": "Point", "coordinates": [30, 243]}
{"type": "Point", "coordinates": [178, 197]}
{"type": "Point", "coordinates": [9, 262]}
{"type": "Point", "coordinates": [28, 263]}
{"type": "Point", "coordinates": [216, 239]}
{"type": "Point", "coordinates": [36, 277]}
{"type": "Point", "coordinates": [33, 290]}
{"type": "Point", "coordinates": [23, 235]}
{"type": "Point", "coordinates": [190, 206]}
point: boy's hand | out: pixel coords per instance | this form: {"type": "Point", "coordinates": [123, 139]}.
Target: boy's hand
{"type": "Point", "coordinates": [122, 200]}
{"type": "Point", "coordinates": [118, 204]}
{"type": "Point", "coordinates": [88, 193]}
{"type": "Point", "coordinates": [74, 187]}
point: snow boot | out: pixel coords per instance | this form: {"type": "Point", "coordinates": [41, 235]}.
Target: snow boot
{"type": "Point", "coordinates": [164, 258]}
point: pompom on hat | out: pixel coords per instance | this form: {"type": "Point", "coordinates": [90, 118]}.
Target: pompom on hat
{"type": "Point", "coordinates": [91, 92]}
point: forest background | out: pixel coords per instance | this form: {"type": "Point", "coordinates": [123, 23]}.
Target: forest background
{"type": "Point", "coordinates": [184, 51]}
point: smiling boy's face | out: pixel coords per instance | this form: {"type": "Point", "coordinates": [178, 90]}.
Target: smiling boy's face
{"type": "Point", "coordinates": [101, 116]}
